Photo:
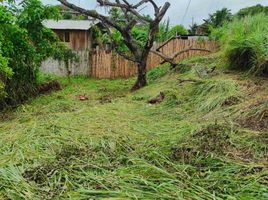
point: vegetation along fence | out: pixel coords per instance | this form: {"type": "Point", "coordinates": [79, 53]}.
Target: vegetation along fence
{"type": "Point", "coordinates": [104, 64]}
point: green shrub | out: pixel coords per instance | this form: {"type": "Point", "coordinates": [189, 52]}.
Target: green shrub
{"type": "Point", "coordinates": [24, 44]}
{"type": "Point", "coordinates": [177, 30]}
{"type": "Point", "coordinates": [5, 72]}
{"type": "Point", "coordinates": [244, 44]}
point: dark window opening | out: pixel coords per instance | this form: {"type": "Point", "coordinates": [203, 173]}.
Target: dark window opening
{"type": "Point", "coordinates": [184, 37]}
{"type": "Point", "coordinates": [66, 37]}
{"type": "Point", "coordinates": [61, 37]}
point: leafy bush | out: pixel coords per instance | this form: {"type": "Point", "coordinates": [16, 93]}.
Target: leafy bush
{"type": "Point", "coordinates": [177, 30]}
{"type": "Point", "coordinates": [5, 72]}
{"type": "Point", "coordinates": [24, 44]}
{"type": "Point", "coordinates": [164, 28]}
{"type": "Point", "coordinates": [244, 43]}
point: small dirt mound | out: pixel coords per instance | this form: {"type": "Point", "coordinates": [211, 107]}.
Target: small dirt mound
{"type": "Point", "coordinates": [158, 99]}
{"type": "Point", "coordinates": [231, 101]}
{"type": "Point", "coordinates": [105, 99]}
{"type": "Point", "coordinates": [183, 153]}
{"type": "Point", "coordinates": [6, 116]}
{"type": "Point", "coordinates": [212, 139]}
{"type": "Point", "coordinates": [219, 141]}
{"type": "Point", "coordinates": [256, 116]}
{"type": "Point", "coordinates": [167, 98]}
{"type": "Point", "coordinates": [258, 122]}
{"type": "Point", "coordinates": [49, 87]}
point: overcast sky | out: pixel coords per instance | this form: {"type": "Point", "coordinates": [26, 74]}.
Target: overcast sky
{"type": "Point", "coordinates": [198, 9]}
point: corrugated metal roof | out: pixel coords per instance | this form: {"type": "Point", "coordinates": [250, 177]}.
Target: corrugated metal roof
{"type": "Point", "coordinates": [69, 24]}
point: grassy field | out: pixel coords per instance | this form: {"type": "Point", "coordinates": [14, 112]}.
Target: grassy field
{"type": "Point", "coordinates": [207, 140]}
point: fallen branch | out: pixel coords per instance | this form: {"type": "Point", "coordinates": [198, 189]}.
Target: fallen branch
{"type": "Point", "coordinates": [171, 59]}
{"type": "Point", "coordinates": [187, 80]}
{"type": "Point", "coordinates": [164, 57]}
{"type": "Point", "coordinates": [189, 49]}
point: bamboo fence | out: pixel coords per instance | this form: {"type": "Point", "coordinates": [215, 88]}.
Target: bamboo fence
{"type": "Point", "coordinates": [111, 65]}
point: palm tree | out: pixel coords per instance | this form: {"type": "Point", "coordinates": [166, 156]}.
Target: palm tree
{"type": "Point", "coordinates": [218, 18]}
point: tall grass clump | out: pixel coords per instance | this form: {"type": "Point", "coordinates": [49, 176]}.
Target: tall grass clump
{"type": "Point", "coordinates": [244, 44]}
{"type": "Point", "coordinates": [213, 94]}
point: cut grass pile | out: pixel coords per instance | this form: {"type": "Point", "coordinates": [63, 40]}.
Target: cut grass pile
{"type": "Point", "coordinates": [190, 146]}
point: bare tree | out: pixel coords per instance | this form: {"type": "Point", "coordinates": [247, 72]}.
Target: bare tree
{"type": "Point", "coordinates": [132, 17]}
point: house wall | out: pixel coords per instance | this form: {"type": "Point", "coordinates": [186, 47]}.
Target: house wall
{"type": "Point", "coordinates": [79, 39]}
{"type": "Point", "coordinates": [83, 67]}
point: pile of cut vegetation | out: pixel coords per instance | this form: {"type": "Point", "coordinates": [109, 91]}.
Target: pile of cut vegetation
{"type": "Point", "coordinates": [193, 144]}
{"type": "Point", "coordinates": [195, 132]}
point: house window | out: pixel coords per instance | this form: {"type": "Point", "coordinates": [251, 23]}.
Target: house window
{"type": "Point", "coordinates": [61, 36]}
{"type": "Point", "coordinates": [66, 36]}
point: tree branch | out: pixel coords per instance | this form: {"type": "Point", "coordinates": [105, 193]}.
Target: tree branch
{"type": "Point", "coordinates": [91, 13]}
{"type": "Point", "coordinates": [154, 27]}
{"type": "Point", "coordinates": [164, 57]}
{"type": "Point", "coordinates": [127, 57]}
{"type": "Point", "coordinates": [171, 59]}
{"type": "Point", "coordinates": [189, 49]}
{"type": "Point", "coordinates": [162, 45]}
{"type": "Point", "coordinates": [140, 54]}
{"type": "Point", "coordinates": [163, 11]}
{"type": "Point", "coordinates": [130, 43]}
{"type": "Point", "coordinates": [125, 6]}
{"type": "Point", "coordinates": [115, 46]}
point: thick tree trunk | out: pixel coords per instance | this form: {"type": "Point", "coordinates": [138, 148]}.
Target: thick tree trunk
{"type": "Point", "coordinates": [141, 79]}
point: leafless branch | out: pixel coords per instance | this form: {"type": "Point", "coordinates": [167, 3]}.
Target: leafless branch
{"type": "Point", "coordinates": [162, 45]}
{"type": "Point", "coordinates": [122, 6]}
{"type": "Point", "coordinates": [164, 57]}
{"type": "Point", "coordinates": [127, 57]}
{"type": "Point", "coordinates": [189, 49]}
{"type": "Point", "coordinates": [171, 59]}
